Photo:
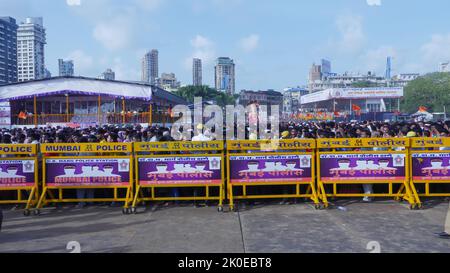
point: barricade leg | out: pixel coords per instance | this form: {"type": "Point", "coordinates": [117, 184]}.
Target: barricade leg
{"type": "Point", "coordinates": [31, 200]}
{"type": "Point", "coordinates": [323, 195]}
{"type": "Point", "coordinates": [136, 197]}
{"type": "Point", "coordinates": [409, 195]}
{"type": "Point", "coordinates": [41, 201]}
{"type": "Point", "coordinates": [416, 197]}
{"type": "Point", "coordinates": [230, 192]}
{"type": "Point", "coordinates": [220, 208]}
{"type": "Point", "coordinates": [314, 196]}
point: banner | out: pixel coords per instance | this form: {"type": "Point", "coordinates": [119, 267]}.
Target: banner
{"type": "Point", "coordinates": [270, 169]}
{"type": "Point", "coordinates": [87, 172]}
{"type": "Point", "coordinates": [17, 173]}
{"type": "Point", "coordinates": [431, 167]}
{"type": "Point", "coordinates": [371, 167]}
{"type": "Point", "coordinates": [180, 170]}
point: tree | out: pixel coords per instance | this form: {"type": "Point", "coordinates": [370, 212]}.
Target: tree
{"type": "Point", "coordinates": [364, 84]}
{"type": "Point", "coordinates": [207, 93]}
{"type": "Point", "coordinates": [431, 91]}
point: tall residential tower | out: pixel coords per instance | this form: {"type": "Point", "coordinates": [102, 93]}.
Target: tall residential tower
{"type": "Point", "coordinates": [31, 41]}
{"type": "Point", "coordinates": [197, 72]}
{"type": "Point", "coordinates": [8, 50]}
{"type": "Point", "coordinates": [225, 80]}
{"type": "Point", "coordinates": [150, 67]}
{"type": "Point", "coordinates": [65, 68]}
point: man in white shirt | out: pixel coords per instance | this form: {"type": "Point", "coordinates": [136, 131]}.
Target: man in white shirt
{"type": "Point", "coordinates": [200, 135]}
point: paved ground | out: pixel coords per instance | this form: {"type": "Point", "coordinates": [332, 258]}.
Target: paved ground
{"type": "Point", "coordinates": [261, 228]}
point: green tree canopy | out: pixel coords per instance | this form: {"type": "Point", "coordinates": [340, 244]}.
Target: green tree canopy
{"type": "Point", "coordinates": [364, 84]}
{"type": "Point", "coordinates": [207, 93]}
{"type": "Point", "coordinates": [431, 91]}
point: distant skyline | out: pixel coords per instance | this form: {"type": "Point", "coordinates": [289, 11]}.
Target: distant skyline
{"type": "Point", "coordinates": [272, 44]}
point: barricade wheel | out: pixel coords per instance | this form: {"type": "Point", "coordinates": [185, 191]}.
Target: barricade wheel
{"type": "Point", "coordinates": [126, 211]}
{"type": "Point", "coordinates": [134, 210]}
{"type": "Point", "coordinates": [317, 206]}
{"type": "Point", "coordinates": [412, 207]}
{"type": "Point", "coordinates": [220, 209]}
{"type": "Point", "coordinates": [37, 212]}
{"type": "Point", "coordinates": [26, 212]}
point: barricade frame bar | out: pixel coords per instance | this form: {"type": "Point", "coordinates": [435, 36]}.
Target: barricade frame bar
{"type": "Point", "coordinates": [406, 191]}
{"type": "Point", "coordinates": [240, 148]}
{"type": "Point", "coordinates": [429, 143]}
{"type": "Point", "coordinates": [102, 151]}
{"type": "Point", "coordinates": [191, 150]}
{"type": "Point", "coordinates": [29, 153]}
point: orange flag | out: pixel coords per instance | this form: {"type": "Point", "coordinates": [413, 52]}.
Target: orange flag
{"type": "Point", "coordinates": [356, 107]}
{"type": "Point", "coordinates": [22, 115]}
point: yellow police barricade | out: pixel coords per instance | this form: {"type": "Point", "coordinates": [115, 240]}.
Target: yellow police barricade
{"type": "Point", "coordinates": [86, 166]}
{"type": "Point", "coordinates": [256, 163]}
{"type": "Point", "coordinates": [366, 162]}
{"type": "Point", "coordinates": [430, 165]}
{"type": "Point", "coordinates": [179, 165]}
{"type": "Point", "coordinates": [19, 174]}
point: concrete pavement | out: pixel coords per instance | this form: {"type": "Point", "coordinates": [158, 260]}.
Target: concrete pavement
{"type": "Point", "coordinates": [260, 228]}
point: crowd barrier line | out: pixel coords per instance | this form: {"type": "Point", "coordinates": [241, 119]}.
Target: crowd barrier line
{"type": "Point", "coordinates": [85, 167]}
{"type": "Point", "coordinates": [19, 175]}
{"type": "Point", "coordinates": [253, 164]}
{"type": "Point", "coordinates": [181, 165]}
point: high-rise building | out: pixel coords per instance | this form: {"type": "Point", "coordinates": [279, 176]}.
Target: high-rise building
{"type": "Point", "coordinates": [445, 67]}
{"type": "Point", "coordinates": [150, 67]}
{"type": "Point", "coordinates": [225, 79]}
{"type": "Point", "coordinates": [31, 41]}
{"type": "Point", "coordinates": [8, 50]}
{"type": "Point", "coordinates": [326, 68]}
{"type": "Point", "coordinates": [388, 75]}
{"type": "Point", "coordinates": [47, 74]}
{"type": "Point", "coordinates": [65, 68]}
{"type": "Point", "coordinates": [109, 75]}
{"type": "Point", "coordinates": [168, 82]}
{"type": "Point", "coordinates": [197, 72]}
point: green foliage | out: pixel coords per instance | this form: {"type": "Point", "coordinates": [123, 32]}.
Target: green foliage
{"type": "Point", "coordinates": [364, 84]}
{"type": "Point", "coordinates": [431, 91]}
{"type": "Point", "coordinates": [207, 93]}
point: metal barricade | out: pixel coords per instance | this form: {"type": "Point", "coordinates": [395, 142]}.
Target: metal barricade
{"type": "Point", "coordinates": [173, 165]}
{"type": "Point", "coordinates": [365, 162]}
{"type": "Point", "coordinates": [19, 175]}
{"type": "Point", "coordinates": [430, 167]}
{"type": "Point", "coordinates": [85, 167]}
{"type": "Point", "coordinates": [253, 164]}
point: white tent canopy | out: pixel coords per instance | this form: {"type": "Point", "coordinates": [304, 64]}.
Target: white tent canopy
{"type": "Point", "coordinates": [75, 85]}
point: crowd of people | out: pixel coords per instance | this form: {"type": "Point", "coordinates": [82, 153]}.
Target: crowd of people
{"type": "Point", "coordinates": [291, 130]}
{"type": "Point", "coordinates": [308, 130]}
{"type": "Point", "coordinates": [365, 129]}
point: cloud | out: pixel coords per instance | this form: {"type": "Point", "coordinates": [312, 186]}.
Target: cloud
{"type": "Point", "coordinates": [204, 49]}
{"type": "Point", "coordinates": [149, 5]}
{"type": "Point", "coordinates": [73, 2]}
{"type": "Point", "coordinates": [435, 51]}
{"type": "Point", "coordinates": [351, 31]}
{"type": "Point", "coordinates": [249, 43]}
{"type": "Point", "coordinates": [374, 2]}
{"type": "Point", "coordinates": [124, 72]}
{"type": "Point", "coordinates": [375, 59]}
{"type": "Point", "coordinates": [82, 62]}
{"type": "Point", "coordinates": [114, 34]}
